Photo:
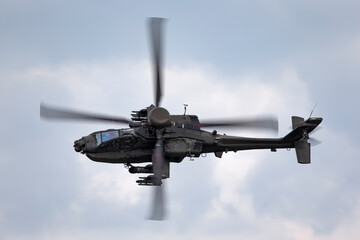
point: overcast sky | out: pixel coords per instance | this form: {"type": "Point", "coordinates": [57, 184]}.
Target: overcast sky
{"type": "Point", "coordinates": [223, 58]}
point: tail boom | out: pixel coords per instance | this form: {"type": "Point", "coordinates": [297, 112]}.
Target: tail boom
{"type": "Point", "coordinates": [297, 138]}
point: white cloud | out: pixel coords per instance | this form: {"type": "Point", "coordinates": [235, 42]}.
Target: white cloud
{"type": "Point", "coordinates": [102, 86]}
{"type": "Point", "coordinates": [111, 183]}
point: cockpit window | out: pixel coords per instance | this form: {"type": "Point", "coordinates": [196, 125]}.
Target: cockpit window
{"type": "Point", "coordinates": [98, 139]}
{"type": "Point", "coordinates": [106, 136]}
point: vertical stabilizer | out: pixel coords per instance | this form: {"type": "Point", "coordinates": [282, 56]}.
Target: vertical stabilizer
{"type": "Point", "coordinates": [299, 137]}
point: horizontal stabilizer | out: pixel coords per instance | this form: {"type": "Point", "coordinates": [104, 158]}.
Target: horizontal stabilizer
{"type": "Point", "coordinates": [296, 121]}
{"type": "Point", "coordinates": [302, 148]}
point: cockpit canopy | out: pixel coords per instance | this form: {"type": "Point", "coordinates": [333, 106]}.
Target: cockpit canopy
{"type": "Point", "coordinates": [102, 137]}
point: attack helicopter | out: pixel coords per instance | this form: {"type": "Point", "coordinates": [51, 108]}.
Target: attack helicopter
{"type": "Point", "coordinates": [156, 137]}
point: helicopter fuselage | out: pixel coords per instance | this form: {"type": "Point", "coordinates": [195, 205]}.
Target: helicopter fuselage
{"type": "Point", "coordinates": [182, 139]}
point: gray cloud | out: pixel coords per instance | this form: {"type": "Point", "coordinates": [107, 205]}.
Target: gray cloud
{"type": "Point", "coordinates": [229, 59]}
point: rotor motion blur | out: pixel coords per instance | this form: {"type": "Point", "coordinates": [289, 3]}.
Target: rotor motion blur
{"type": "Point", "coordinates": [156, 137]}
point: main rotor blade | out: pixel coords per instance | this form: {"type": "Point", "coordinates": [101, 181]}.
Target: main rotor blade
{"type": "Point", "coordinates": [156, 40]}
{"type": "Point", "coordinates": [158, 210]}
{"type": "Point", "coordinates": [158, 160]}
{"type": "Point", "coordinates": [256, 123]}
{"type": "Point", "coordinates": [66, 114]}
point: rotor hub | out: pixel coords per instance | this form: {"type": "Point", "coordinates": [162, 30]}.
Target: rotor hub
{"type": "Point", "coordinates": [159, 117]}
